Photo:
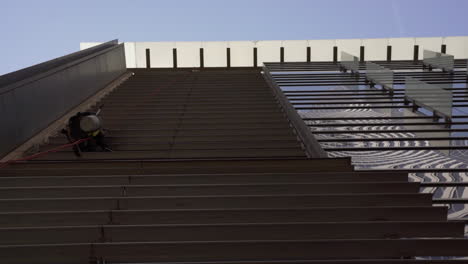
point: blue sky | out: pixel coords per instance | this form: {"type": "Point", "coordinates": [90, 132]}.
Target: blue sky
{"type": "Point", "coordinates": [39, 30]}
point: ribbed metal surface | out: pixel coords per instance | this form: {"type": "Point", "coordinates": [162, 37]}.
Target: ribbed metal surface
{"type": "Point", "coordinates": [244, 192]}
{"type": "Point", "coordinates": [185, 114]}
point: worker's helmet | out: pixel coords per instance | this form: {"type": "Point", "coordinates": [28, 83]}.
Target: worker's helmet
{"type": "Point", "coordinates": [90, 123]}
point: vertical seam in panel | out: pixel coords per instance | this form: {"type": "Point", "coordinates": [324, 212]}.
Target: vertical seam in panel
{"type": "Point", "coordinates": [281, 54]}
{"type": "Point", "coordinates": [335, 54]}
{"type": "Point", "coordinates": [202, 62]}
{"type": "Point", "coordinates": [361, 54]}
{"type": "Point", "coordinates": [255, 57]}
{"type": "Point", "coordinates": [389, 53]}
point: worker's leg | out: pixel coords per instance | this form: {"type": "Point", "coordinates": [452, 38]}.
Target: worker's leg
{"type": "Point", "coordinates": [100, 141]}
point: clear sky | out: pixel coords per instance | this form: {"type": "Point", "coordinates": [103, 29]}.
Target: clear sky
{"type": "Point", "coordinates": [38, 30]}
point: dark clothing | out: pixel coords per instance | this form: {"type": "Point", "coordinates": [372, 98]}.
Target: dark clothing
{"type": "Point", "coordinates": [94, 142]}
{"type": "Point", "coordinates": [76, 133]}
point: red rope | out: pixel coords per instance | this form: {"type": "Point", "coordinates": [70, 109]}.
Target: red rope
{"type": "Point", "coordinates": [4, 164]}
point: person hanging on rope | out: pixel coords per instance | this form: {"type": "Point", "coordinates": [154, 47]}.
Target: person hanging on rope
{"type": "Point", "coordinates": [86, 125]}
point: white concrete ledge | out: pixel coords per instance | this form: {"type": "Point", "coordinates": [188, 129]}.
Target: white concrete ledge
{"type": "Point", "coordinates": [188, 53]}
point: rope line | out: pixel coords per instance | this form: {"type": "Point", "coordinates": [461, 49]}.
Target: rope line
{"type": "Point", "coordinates": [5, 164]}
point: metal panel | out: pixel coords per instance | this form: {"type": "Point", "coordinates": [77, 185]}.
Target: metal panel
{"type": "Point", "coordinates": [188, 54]}
{"type": "Point", "coordinates": [349, 62]}
{"type": "Point", "coordinates": [43, 93]}
{"type": "Point", "coordinates": [375, 49]}
{"type": "Point", "coordinates": [379, 75]}
{"type": "Point", "coordinates": [351, 46]}
{"type": "Point", "coordinates": [268, 51]}
{"type": "Point", "coordinates": [215, 54]}
{"type": "Point", "coordinates": [241, 53]}
{"type": "Point", "coordinates": [438, 60]}
{"type": "Point", "coordinates": [402, 48]}
{"type": "Point", "coordinates": [130, 56]}
{"type": "Point", "coordinates": [429, 95]}
{"type": "Point", "coordinates": [295, 50]}
{"type": "Point", "coordinates": [428, 44]}
{"type": "Point", "coordinates": [457, 46]}
{"type": "Point", "coordinates": [321, 50]}
{"type": "Point", "coordinates": [161, 54]}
